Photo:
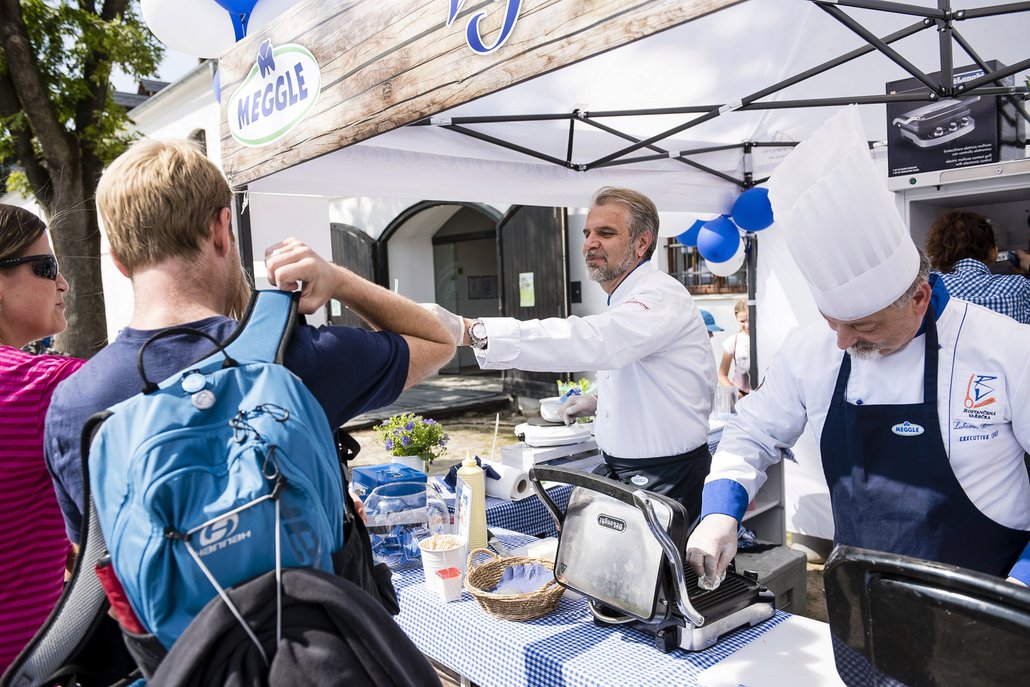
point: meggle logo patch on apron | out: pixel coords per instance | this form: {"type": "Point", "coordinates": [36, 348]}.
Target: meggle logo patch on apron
{"type": "Point", "coordinates": [907, 429]}
{"type": "Point", "coordinates": [278, 92]}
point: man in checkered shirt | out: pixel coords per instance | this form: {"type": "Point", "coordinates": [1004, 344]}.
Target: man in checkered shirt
{"type": "Point", "coordinates": [961, 245]}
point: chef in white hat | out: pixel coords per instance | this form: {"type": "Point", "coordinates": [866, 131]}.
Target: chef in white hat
{"type": "Point", "coordinates": [918, 399]}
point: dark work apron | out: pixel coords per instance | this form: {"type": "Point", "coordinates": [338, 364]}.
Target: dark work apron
{"type": "Point", "coordinates": [680, 477]}
{"type": "Point", "coordinates": [892, 489]}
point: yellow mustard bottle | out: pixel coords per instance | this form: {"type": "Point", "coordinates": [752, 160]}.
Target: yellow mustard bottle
{"type": "Point", "coordinates": [472, 503]}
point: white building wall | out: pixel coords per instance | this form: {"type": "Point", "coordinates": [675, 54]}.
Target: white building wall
{"type": "Point", "coordinates": [176, 112]}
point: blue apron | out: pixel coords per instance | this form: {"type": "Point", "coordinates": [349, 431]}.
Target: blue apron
{"type": "Point", "coordinates": [892, 488]}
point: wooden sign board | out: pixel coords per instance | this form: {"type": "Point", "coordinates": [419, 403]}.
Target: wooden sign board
{"type": "Point", "coordinates": [381, 64]}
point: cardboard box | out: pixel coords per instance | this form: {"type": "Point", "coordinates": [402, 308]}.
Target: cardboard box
{"type": "Point", "coordinates": [951, 132]}
{"type": "Point", "coordinates": [523, 456]}
{"type": "Point", "coordinates": [367, 477]}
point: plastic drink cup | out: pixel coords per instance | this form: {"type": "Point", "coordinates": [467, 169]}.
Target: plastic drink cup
{"type": "Point", "coordinates": [444, 553]}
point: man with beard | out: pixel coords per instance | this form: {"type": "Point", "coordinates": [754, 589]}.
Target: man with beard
{"type": "Point", "coordinates": [655, 369]}
{"type": "Point", "coordinates": [917, 398]}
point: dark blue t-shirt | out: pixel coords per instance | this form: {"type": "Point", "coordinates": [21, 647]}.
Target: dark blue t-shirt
{"type": "Point", "coordinates": [348, 370]}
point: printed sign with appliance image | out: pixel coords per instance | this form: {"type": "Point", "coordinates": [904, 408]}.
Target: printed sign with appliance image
{"type": "Point", "coordinates": [951, 132]}
{"type": "Point", "coordinates": [277, 93]}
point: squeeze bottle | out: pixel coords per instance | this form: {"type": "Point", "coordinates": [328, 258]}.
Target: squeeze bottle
{"type": "Point", "coordinates": [472, 507]}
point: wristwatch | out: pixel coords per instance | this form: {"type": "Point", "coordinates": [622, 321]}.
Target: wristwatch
{"type": "Point", "coordinates": [477, 334]}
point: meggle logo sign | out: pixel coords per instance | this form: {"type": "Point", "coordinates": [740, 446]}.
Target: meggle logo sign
{"type": "Point", "coordinates": [277, 94]}
{"type": "Point", "coordinates": [907, 429]}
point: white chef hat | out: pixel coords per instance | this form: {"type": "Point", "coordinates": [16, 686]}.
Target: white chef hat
{"type": "Point", "coordinates": [840, 222]}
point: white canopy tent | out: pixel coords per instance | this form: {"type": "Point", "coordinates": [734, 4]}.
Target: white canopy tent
{"type": "Point", "coordinates": [715, 102]}
{"type": "Point", "coordinates": [718, 59]}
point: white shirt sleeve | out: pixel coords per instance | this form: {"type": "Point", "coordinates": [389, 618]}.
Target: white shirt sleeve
{"type": "Point", "coordinates": [606, 341]}
{"type": "Point", "coordinates": [727, 345]}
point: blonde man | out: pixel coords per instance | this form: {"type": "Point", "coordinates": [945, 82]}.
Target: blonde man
{"type": "Point", "coordinates": [165, 209]}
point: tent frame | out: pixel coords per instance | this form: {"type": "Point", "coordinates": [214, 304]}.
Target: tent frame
{"type": "Point", "coordinates": [943, 19]}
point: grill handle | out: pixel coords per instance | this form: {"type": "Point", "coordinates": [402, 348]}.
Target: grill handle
{"type": "Point", "coordinates": [687, 609]}
{"type": "Point", "coordinates": [577, 478]}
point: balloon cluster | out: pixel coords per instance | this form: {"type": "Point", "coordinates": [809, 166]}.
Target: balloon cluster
{"type": "Point", "coordinates": [718, 240]}
{"type": "Point", "coordinates": [207, 28]}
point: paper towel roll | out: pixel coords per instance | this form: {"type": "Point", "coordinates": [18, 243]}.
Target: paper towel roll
{"type": "Point", "coordinates": [513, 485]}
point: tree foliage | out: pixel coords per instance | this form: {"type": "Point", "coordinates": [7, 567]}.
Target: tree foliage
{"type": "Point", "coordinates": [59, 126]}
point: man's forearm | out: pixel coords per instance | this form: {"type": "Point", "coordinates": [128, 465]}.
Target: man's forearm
{"type": "Point", "coordinates": [386, 310]}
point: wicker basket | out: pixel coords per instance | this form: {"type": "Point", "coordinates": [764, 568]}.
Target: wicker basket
{"type": "Point", "coordinates": [509, 606]}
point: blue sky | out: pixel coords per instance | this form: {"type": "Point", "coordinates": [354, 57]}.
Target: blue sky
{"type": "Point", "coordinates": [174, 65]}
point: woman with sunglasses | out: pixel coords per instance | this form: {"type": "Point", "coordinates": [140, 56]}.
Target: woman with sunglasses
{"type": "Point", "coordinates": [33, 543]}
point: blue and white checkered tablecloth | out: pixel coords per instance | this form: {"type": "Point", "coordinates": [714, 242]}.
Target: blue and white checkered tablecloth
{"type": "Point", "coordinates": [564, 648]}
{"type": "Point", "coordinates": [528, 516]}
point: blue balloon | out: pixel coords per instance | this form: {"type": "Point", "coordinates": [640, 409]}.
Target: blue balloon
{"type": "Point", "coordinates": [718, 239]}
{"type": "Point", "coordinates": [237, 6]}
{"type": "Point", "coordinates": [752, 210]}
{"type": "Point", "coordinates": [689, 237]}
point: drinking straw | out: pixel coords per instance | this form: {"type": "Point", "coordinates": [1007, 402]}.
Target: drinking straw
{"type": "Point", "coordinates": [497, 426]}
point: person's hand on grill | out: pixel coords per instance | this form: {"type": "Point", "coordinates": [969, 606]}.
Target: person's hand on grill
{"type": "Point", "coordinates": [711, 548]}
{"type": "Point", "coordinates": [577, 406]}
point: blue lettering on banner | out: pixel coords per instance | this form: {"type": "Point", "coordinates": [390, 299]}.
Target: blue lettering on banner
{"type": "Point", "coordinates": [287, 90]}
{"type": "Point", "coordinates": [472, 30]}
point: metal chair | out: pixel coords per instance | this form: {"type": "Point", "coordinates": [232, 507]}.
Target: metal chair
{"type": "Point", "coordinates": [896, 619]}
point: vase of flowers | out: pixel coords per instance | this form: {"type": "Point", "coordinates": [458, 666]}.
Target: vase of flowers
{"type": "Point", "coordinates": [413, 440]}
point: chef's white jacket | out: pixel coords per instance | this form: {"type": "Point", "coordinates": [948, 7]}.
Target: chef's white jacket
{"type": "Point", "coordinates": [983, 356]}
{"type": "Point", "coordinates": [655, 368]}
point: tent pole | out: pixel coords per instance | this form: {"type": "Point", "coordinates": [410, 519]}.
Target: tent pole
{"type": "Point", "coordinates": [751, 271]}
{"type": "Point", "coordinates": [241, 198]}
{"type": "Point", "coordinates": [889, 52]}
{"type": "Point", "coordinates": [751, 250]}
{"type": "Point", "coordinates": [825, 66]}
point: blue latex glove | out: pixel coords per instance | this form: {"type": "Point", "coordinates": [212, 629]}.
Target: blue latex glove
{"type": "Point", "coordinates": [522, 579]}
{"type": "Point", "coordinates": [451, 480]}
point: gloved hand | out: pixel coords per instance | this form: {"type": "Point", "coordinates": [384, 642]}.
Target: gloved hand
{"type": "Point", "coordinates": [577, 406]}
{"type": "Point", "coordinates": [455, 324]}
{"type": "Point", "coordinates": [711, 547]}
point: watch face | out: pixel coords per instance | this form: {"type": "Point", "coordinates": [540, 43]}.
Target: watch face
{"type": "Point", "coordinates": [479, 330]}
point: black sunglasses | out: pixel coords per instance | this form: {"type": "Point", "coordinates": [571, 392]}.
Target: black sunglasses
{"type": "Point", "coordinates": [43, 266]}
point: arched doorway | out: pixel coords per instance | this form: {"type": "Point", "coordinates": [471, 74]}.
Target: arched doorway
{"type": "Point", "coordinates": [462, 274]}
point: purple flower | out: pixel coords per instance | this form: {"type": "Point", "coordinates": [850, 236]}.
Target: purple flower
{"type": "Point", "coordinates": [396, 432]}
{"type": "Point", "coordinates": [406, 441]}
{"type": "Point", "coordinates": [430, 422]}
{"type": "Point", "coordinates": [410, 426]}
{"type": "Point", "coordinates": [389, 444]}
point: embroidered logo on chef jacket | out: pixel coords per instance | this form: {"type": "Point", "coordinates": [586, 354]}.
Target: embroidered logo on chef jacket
{"type": "Point", "coordinates": [639, 480]}
{"type": "Point", "coordinates": [983, 399]}
{"type": "Point", "coordinates": [635, 301]}
{"type": "Point", "coordinates": [907, 429]}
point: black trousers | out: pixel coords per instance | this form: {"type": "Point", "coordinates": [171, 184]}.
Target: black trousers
{"type": "Point", "coordinates": [679, 477]}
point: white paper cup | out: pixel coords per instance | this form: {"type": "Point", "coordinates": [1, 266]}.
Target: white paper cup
{"type": "Point", "coordinates": [440, 552]}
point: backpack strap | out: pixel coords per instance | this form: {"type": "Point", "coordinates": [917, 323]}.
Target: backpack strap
{"type": "Point", "coordinates": [265, 330]}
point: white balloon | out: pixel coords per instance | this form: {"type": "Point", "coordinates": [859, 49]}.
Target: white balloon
{"type": "Point", "coordinates": [725, 269]}
{"type": "Point", "coordinates": [265, 11]}
{"type": "Point", "coordinates": [195, 27]}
